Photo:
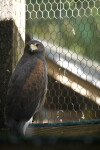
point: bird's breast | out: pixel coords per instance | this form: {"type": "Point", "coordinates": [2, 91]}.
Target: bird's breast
{"type": "Point", "coordinates": [36, 77]}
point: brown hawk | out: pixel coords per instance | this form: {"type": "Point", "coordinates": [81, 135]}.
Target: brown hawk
{"type": "Point", "coordinates": [27, 87]}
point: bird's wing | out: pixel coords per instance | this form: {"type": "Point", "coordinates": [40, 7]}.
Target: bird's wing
{"type": "Point", "coordinates": [26, 88]}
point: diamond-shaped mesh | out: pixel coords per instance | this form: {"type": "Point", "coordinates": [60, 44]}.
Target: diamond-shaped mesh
{"type": "Point", "coordinates": [70, 32]}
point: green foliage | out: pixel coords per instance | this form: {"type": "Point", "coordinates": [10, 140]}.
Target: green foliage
{"type": "Point", "coordinates": [59, 30]}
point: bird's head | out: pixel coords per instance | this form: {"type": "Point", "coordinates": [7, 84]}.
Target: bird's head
{"type": "Point", "coordinates": [34, 47]}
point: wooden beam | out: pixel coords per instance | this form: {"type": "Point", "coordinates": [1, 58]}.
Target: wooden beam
{"type": "Point", "coordinates": [66, 131]}
{"type": "Point", "coordinates": [12, 39]}
{"type": "Point", "coordinates": [71, 80]}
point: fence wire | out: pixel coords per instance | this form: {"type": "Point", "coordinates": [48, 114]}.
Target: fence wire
{"type": "Point", "coordinates": [70, 33]}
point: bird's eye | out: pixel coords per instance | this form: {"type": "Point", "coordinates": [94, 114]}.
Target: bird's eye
{"type": "Point", "coordinates": [37, 45]}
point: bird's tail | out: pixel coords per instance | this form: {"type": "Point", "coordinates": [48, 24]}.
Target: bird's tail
{"type": "Point", "coordinates": [16, 128]}
{"type": "Point", "coordinates": [26, 125]}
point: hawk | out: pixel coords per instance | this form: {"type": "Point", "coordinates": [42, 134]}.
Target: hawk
{"type": "Point", "coordinates": [27, 88]}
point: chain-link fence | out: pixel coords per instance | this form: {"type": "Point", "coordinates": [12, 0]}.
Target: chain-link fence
{"type": "Point", "coordinates": [70, 32]}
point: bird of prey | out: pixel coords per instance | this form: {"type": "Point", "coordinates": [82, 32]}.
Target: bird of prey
{"type": "Point", "coordinates": [27, 88]}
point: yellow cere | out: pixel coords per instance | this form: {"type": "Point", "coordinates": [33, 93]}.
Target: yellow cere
{"type": "Point", "coordinates": [33, 47]}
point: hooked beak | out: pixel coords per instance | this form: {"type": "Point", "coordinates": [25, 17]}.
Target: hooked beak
{"type": "Point", "coordinates": [33, 47]}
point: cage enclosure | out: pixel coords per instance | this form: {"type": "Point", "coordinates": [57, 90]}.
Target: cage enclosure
{"type": "Point", "coordinates": [70, 33]}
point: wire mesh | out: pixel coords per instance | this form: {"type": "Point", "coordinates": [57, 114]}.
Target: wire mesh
{"type": "Point", "coordinates": [12, 35]}
{"type": "Point", "coordinates": [70, 32]}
